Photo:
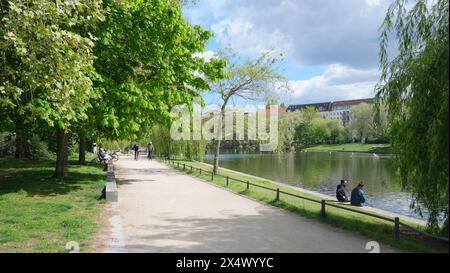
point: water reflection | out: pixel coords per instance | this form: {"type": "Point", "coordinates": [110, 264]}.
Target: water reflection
{"type": "Point", "coordinates": [322, 171]}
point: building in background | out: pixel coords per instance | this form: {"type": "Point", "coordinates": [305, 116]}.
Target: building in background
{"type": "Point", "coordinates": [332, 110]}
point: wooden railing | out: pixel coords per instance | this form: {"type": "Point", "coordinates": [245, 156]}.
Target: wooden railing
{"type": "Point", "coordinates": [323, 203]}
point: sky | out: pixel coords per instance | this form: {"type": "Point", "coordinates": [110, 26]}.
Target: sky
{"type": "Point", "coordinates": [330, 46]}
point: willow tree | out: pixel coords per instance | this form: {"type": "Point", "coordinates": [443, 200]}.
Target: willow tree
{"type": "Point", "coordinates": [414, 87]}
{"type": "Point", "coordinates": [46, 66]}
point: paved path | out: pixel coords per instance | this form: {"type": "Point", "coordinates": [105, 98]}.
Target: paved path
{"type": "Point", "coordinates": [161, 210]}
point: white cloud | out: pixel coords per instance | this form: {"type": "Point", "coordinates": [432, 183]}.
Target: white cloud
{"type": "Point", "coordinates": [231, 32]}
{"type": "Point", "coordinates": [309, 32]}
{"type": "Point", "coordinates": [337, 83]}
{"type": "Point", "coordinates": [373, 2]}
{"type": "Point", "coordinates": [207, 55]}
{"type": "Point", "coordinates": [341, 35]}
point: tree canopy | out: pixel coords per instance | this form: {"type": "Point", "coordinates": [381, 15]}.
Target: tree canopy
{"type": "Point", "coordinates": [108, 68]}
{"type": "Point", "coordinates": [147, 64]}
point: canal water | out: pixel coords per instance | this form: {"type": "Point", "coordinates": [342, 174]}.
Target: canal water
{"type": "Point", "coordinates": [322, 171]}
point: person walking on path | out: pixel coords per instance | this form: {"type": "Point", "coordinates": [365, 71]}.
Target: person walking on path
{"type": "Point", "coordinates": [150, 151]}
{"type": "Point", "coordinates": [136, 151]}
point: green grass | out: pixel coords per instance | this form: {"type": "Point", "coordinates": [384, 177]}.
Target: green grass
{"type": "Point", "coordinates": [41, 214]}
{"type": "Point", "coordinates": [373, 228]}
{"type": "Point", "coordinates": [353, 147]}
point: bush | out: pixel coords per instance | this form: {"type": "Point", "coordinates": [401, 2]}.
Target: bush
{"type": "Point", "coordinates": [7, 144]}
{"type": "Point", "coordinates": [38, 148]}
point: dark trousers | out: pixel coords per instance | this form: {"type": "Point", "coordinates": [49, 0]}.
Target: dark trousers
{"type": "Point", "coordinates": [136, 155]}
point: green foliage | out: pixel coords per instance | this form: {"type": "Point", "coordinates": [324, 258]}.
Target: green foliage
{"type": "Point", "coordinates": [362, 121]}
{"type": "Point", "coordinates": [309, 114]}
{"type": "Point", "coordinates": [286, 128]}
{"type": "Point", "coordinates": [337, 131]}
{"type": "Point", "coordinates": [415, 87]}
{"type": "Point", "coordinates": [46, 65]}
{"type": "Point", "coordinates": [312, 128]}
{"type": "Point", "coordinates": [147, 64]}
{"type": "Point", "coordinates": [321, 130]}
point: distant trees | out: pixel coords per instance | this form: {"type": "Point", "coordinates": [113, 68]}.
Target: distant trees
{"type": "Point", "coordinates": [313, 129]}
{"type": "Point", "coordinates": [337, 131]}
{"type": "Point", "coordinates": [362, 123]}
{"type": "Point", "coordinates": [415, 89]}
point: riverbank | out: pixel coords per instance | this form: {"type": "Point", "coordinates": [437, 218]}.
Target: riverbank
{"type": "Point", "coordinates": [353, 147]}
{"type": "Point", "coordinates": [377, 229]}
{"type": "Point", "coordinates": [41, 214]}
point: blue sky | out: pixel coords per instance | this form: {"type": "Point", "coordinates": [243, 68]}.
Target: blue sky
{"type": "Point", "coordinates": [330, 46]}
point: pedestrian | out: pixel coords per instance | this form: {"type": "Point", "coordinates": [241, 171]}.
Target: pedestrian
{"type": "Point", "coordinates": [150, 150]}
{"type": "Point", "coordinates": [136, 151]}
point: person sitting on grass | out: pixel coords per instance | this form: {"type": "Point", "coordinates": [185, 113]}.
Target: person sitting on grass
{"type": "Point", "coordinates": [357, 197]}
{"type": "Point", "coordinates": [341, 195]}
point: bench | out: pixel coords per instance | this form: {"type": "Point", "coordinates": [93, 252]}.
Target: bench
{"type": "Point", "coordinates": [111, 192]}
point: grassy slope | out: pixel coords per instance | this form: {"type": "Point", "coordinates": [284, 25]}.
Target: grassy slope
{"type": "Point", "coordinates": [41, 214]}
{"type": "Point", "coordinates": [353, 147]}
{"type": "Point", "coordinates": [375, 229]}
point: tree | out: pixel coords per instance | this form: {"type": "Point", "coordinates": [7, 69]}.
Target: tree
{"type": "Point", "coordinates": [304, 133]}
{"type": "Point", "coordinates": [246, 79]}
{"type": "Point", "coordinates": [414, 87]}
{"type": "Point", "coordinates": [381, 125]}
{"type": "Point", "coordinates": [362, 121]}
{"type": "Point", "coordinates": [309, 114]}
{"type": "Point", "coordinates": [46, 66]}
{"type": "Point", "coordinates": [321, 131]}
{"type": "Point", "coordinates": [286, 128]}
{"type": "Point", "coordinates": [147, 64]}
{"type": "Point", "coordinates": [337, 131]}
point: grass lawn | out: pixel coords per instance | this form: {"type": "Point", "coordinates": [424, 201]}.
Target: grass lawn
{"type": "Point", "coordinates": [373, 228]}
{"type": "Point", "coordinates": [353, 147]}
{"type": "Point", "coordinates": [41, 214]}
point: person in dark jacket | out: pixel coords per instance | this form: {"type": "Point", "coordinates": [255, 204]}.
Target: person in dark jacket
{"type": "Point", "coordinates": [150, 150]}
{"type": "Point", "coordinates": [136, 151]}
{"type": "Point", "coordinates": [357, 198]}
{"type": "Point", "coordinates": [341, 195]}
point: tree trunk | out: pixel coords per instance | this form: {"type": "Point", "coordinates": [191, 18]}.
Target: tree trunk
{"type": "Point", "coordinates": [22, 145]}
{"type": "Point", "coordinates": [82, 150]}
{"type": "Point", "coordinates": [216, 156]}
{"type": "Point", "coordinates": [218, 140]}
{"type": "Point", "coordinates": [61, 170]}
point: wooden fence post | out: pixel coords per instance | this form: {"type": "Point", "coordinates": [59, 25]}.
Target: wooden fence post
{"type": "Point", "coordinates": [248, 185]}
{"type": "Point", "coordinates": [322, 211]}
{"type": "Point", "coordinates": [278, 195]}
{"type": "Point", "coordinates": [200, 171]}
{"type": "Point", "coordinates": [227, 181]}
{"type": "Point", "coordinates": [397, 228]}
{"type": "Point", "coordinates": [212, 176]}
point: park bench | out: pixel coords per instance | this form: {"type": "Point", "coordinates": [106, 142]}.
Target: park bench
{"type": "Point", "coordinates": [110, 191]}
